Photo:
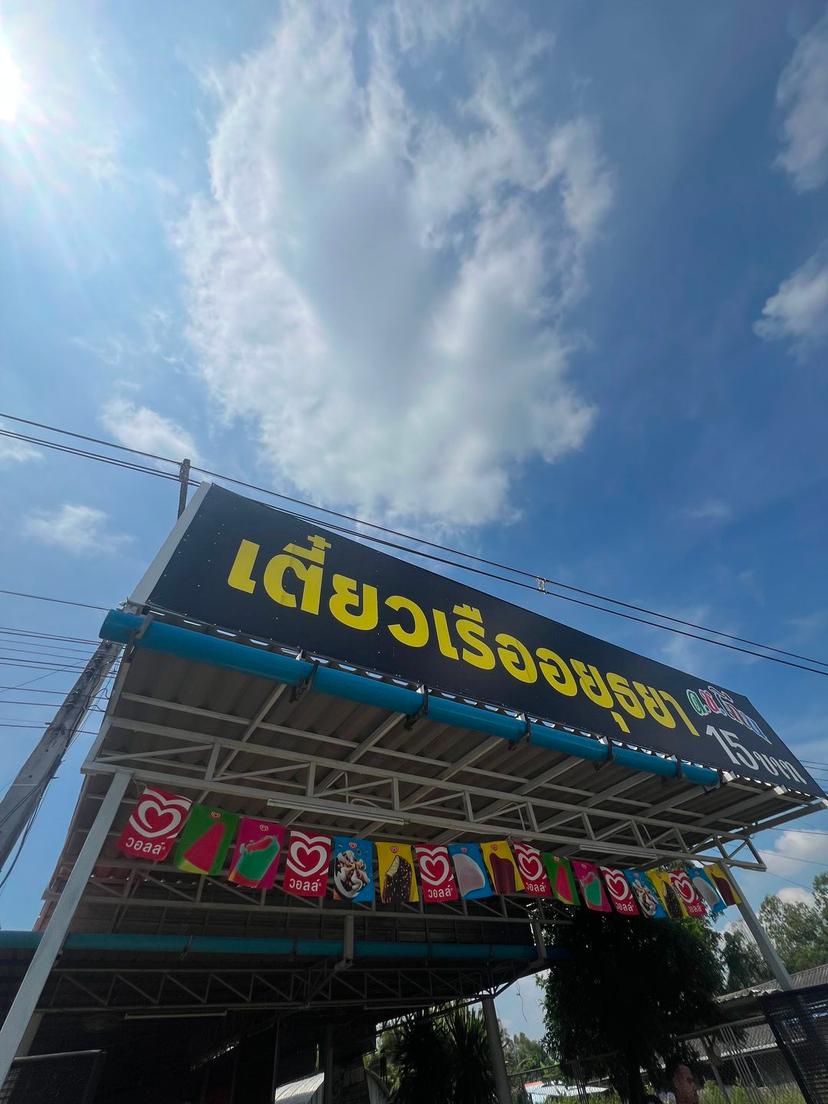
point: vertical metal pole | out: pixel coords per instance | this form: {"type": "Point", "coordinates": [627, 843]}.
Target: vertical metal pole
{"type": "Point", "coordinates": [766, 948]}
{"type": "Point", "coordinates": [328, 1059]}
{"type": "Point", "coordinates": [710, 1051]}
{"type": "Point", "coordinates": [184, 480]}
{"type": "Point", "coordinates": [502, 1088]}
{"type": "Point", "coordinates": [51, 940]}
{"type": "Point", "coordinates": [25, 792]}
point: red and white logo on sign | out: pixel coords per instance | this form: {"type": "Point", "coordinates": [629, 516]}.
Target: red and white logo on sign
{"type": "Point", "coordinates": [686, 891]}
{"type": "Point", "coordinates": [154, 825]}
{"type": "Point", "coordinates": [307, 864]}
{"type": "Point", "coordinates": [530, 865]}
{"type": "Point", "coordinates": [436, 876]}
{"type": "Point", "coordinates": [620, 891]}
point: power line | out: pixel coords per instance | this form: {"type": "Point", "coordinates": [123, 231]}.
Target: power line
{"type": "Point", "coordinates": [59, 601]}
{"type": "Point", "coordinates": [13, 630]}
{"type": "Point", "coordinates": [537, 578]}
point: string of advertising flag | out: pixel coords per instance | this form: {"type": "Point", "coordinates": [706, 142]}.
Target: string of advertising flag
{"type": "Point", "coordinates": [201, 839]}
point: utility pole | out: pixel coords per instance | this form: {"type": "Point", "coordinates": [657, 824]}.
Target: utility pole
{"type": "Point", "coordinates": [25, 792]}
{"type": "Point", "coordinates": [183, 484]}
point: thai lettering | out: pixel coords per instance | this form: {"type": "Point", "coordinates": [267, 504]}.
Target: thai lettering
{"type": "Point", "coordinates": [707, 700]}
{"type": "Point", "coordinates": [441, 629]}
{"type": "Point", "coordinates": [415, 636]}
{"type": "Point", "coordinates": [289, 561]}
{"type": "Point", "coordinates": [625, 695]}
{"type": "Point", "coordinates": [654, 704]}
{"type": "Point", "coordinates": [516, 658]}
{"type": "Point", "coordinates": [556, 672]}
{"type": "Point", "coordinates": [469, 628]}
{"type": "Point", "coordinates": [354, 604]}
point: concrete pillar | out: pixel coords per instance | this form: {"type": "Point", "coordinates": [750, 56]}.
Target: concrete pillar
{"type": "Point", "coordinates": [502, 1087]}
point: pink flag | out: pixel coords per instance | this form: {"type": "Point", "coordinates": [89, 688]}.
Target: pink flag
{"type": "Point", "coordinates": [686, 893]}
{"type": "Point", "coordinates": [620, 891]}
{"type": "Point", "coordinates": [154, 825]}
{"type": "Point", "coordinates": [591, 886]}
{"type": "Point", "coordinates": [256, 858]}
{"type": "Point", "coordinates": [530, 865]}
{"type": "Point", "coordinates": [306, 865]}
{"type": "Point", "coordinates": [436, 876]}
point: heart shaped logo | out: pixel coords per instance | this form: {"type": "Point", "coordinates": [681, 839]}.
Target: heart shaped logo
{"type": "Point", "coordinates": [683, 886]}
{"type": "Point", "coordinates": [529, 862]}
{"type": "Point", "coordinates": [158, 814]}
{"type": "Point", "coordinates": [308, 854]}
{"type": "Point", "coordinates": [434, 868]}
{"type": "Point", "coordinates": [617, 884]}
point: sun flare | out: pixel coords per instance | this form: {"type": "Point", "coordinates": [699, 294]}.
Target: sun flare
{"type": "Point", "coordinates": [11, 87]}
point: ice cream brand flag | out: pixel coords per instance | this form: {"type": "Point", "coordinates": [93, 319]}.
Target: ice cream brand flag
{"type": "Point", "coordinates": [686, 893]}
{"type": "Point", "coordinates": [620, 891]}
{"type": "Point", "coordinates": [706, 889]}
{"type": "Point", "coordinates": [561, 879]}
{"type": "Point", "coordinates": [437, 880]}
{"type": "Point", "coordinates": [722, 883]}
{"type": "Point", "coordinates": [472, 875]}
{"type": "Point", "coordinates": [205, 840]}
{"type": "Point", "coordinates": [257, 853]}
{"type": "Point", "coordinates": [154, 825]}
{"type": "Point", "coordinates": [395, 863]}
{"type": "Point", "coordinates": [666, 894]}
{"type": "Point", "coordinates": [592, 888]}
{"type": "Point", "coordinates": [530, 865]}
{"type": "Point", "coordinates": [500, 863]}
{"type": "Point", "coordinates": [307, 862]}
{"type": "Point", "coordinates": [353, 869]}
{"type": "Point", "coordinates": [647, 899]}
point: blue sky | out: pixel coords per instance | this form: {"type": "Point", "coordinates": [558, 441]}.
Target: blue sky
{"type": "Point", "coordinates": [552, 284]}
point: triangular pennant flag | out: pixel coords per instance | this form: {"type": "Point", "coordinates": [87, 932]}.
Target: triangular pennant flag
{"type": "Point", "coordinates": [666, 894]}
{"type": "Point", "coordinates": [205, 840]}
{"type": "Point", "coordinates": [257, 853]}
{"type": "Point", "coordinates": [619, 890]}
{"type": "Point", "coordinates": [154, 825]}
{"type": "Point", "coordinates": [395, 862]}
{"type": "Point", "coordinates": [437, 880]}
{"type": "Point", "coordinates": [530, 865]}
{"type": "Point", "coordinates": [470, 868]}
{"type": "Point", "coordinates": [706, 889]}
{"type": "Point", "coordinates": [500, 863]}
{"type": "Point", "coordinates": [561, 879]}
{"type": "Point", "coordinates": [686, 893]}
{"type": "Point", "coordinates": [307, 861]}
{"type": "Point", "coordinates": [646, 896]}
{"type": "Point", "coordinates": [722, 883]}
{"type": "Point", "coordinates": [353, 869]}
{"type": "Point", "coordinates": [591, 885]}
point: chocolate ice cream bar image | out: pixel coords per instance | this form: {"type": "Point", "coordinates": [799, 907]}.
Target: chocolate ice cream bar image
{"type": "Point", "coordinates": [396, 885]}
{"type": "Point", "coordinates": [503, 874]}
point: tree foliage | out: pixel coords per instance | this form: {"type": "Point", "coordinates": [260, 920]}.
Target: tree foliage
{"type": "Point", "coordinates": [442, 1059]}
{"type": "Point", "coordinates": [626, 991]}
{"type": "Point", "coordinates": [799, 930]}
{"type": "Point", "coordinates": [742, 960]}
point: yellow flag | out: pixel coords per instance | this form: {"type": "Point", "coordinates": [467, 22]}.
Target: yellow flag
{"type": "Point", "coordinates": [722, 883]}
{"type": "Point", "coordinates": [673, 905]}
{"type": "Point", "coordinates": [396, 873]}
{"type": "Point", "coordinates": [502, 867]}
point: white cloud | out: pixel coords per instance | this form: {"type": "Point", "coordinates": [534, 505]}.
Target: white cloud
{"type": "Point", "coordinates": [803, 96]}
{"type": "Point", "coordinates": [713, 509]}
{"type": "Point", "coordinates": [797, 856]}
{"type": "Point", "coordinates": [794, 895]}
{"type": "Point", "coordinates": [378, 288]}
{"type": "Point", "coordinates": [140, 427]}
{"type": "Point", "coordinates": [799, 310]}
{"type": "Point", "coordinates": [16, 452]}
{"type": "Point", "coordinates": [75, 529]}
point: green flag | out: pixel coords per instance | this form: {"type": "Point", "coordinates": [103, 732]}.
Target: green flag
{"type": "Point", "coordinates": [561, 878]}
{"type": "Point", "coordinates": [205, 840]}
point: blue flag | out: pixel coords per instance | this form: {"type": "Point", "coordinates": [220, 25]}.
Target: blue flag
{"type": "Point", "coordinates": [472, 875]}
{"type": "Point", "coordinates": [353, 869]}
{"type": "Point", "coordinates": [645, 895]}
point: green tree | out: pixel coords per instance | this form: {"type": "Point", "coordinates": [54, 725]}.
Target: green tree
{"type": "Point", "coordinates": [799, 930]}
{"type": "Point", "coordinates": [626, 990]}
{"type": "Point", "coordinates": [742, 960]}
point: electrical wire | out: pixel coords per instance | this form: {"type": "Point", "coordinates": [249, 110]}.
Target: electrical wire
{"type": "Point", "coordinates": [59, 601]}
{"type": "Point", "coordinates": [540, 582]}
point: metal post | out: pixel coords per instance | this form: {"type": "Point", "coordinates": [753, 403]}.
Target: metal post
{"type": "Point", "coordinates": [502, 1087]}
{"type": "Point", "coordinates": [25, 792]}
{"type": "Point", "coordinates": [710, 1051]}
{"type": "Point", "coordinates": [328, 1065]}
{"type": "Point", "coordinates": [184, 481]}
{"type": "Point", "coordinates": [766, 948]}
{"type": "Point", "coordinates": [51, 940]}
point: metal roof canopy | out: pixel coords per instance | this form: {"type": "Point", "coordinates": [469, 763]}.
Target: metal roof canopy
{"type": "Point", "coordinates": [294, 754]}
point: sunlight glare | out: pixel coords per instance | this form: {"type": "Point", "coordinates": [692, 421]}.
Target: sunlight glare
{"type": "Point", "coordinates": [11, 87]}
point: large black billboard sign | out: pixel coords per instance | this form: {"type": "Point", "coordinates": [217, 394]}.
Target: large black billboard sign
{"type": "Point", "coordinates": [243, 566]}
